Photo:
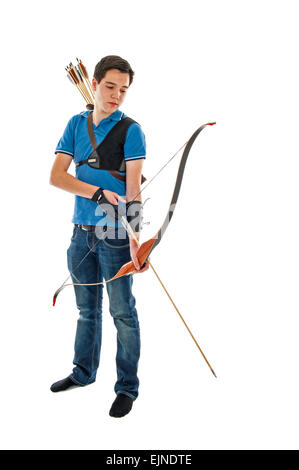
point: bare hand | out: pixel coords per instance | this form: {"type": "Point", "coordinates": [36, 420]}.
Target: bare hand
{"type": "Point", "coordinates": [112, 197]}
{"type": "Point", "coordinates": [134, 246]}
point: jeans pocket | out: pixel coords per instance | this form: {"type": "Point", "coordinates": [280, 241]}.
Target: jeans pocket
{"type": "Point", "coordinates": [116, 238]}
{"type": "Point", "coordinates": [116, 242]}
{"type": "Point", "coordinates": [74, 235]}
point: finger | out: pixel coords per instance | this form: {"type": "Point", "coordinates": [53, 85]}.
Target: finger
{"type": "Point", "coordinates": [113, 199]}
{"type": "Point", "coordinates": [121, 199]}
{"type": "Point", "coordinates": [136, 263]}
{"type": "Point", "coordinates": [146, 267]}
{"type": "Point", "coordinates": [141, 270]}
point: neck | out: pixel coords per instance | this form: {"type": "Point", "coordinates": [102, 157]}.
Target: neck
{"type": "Point", "coordinates": [99, 114]}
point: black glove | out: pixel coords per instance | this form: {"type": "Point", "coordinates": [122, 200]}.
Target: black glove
{"type": "Point", "coordinates": [112, 210]}
{"type": "Point", "coordinates": [98, 195]}
{"type": "Point", "coordinates": [134, 215]}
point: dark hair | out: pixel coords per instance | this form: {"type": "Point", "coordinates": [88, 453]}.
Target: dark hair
{"type": "Point", "coordinates": [112, 62]}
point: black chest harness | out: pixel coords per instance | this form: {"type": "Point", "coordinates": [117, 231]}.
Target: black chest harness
{"type": "Point", "coordinates": [109, 155]}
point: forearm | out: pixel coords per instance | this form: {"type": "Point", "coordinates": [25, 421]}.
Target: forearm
{"type": "Point", "coordinates": [133, 194]}
{"type": "Point", "coordinates": [73, 185]}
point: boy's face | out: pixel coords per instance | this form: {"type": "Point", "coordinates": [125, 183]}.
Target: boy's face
{"type": "Point", "coordinates": [111, 91]}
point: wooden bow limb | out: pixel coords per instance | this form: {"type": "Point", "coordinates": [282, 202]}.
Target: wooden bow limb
{"type": "Point", "coordinates": [125, 270]}
{"type": "Point", "coordinates": [132, 234]}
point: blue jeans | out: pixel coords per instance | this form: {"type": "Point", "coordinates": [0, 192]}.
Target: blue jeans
{"type": "Point", "coordinates": [103, 262]}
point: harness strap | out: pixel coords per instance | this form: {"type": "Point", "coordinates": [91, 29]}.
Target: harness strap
{"type": "Point", "coordinates": [94, 144]}
{"type": "Point", "coordinates": [90, 131]}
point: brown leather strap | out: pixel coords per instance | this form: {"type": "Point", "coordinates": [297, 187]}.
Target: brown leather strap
{"type": "Point", "coordinates": [123, 177]}
{"type": "Point", "coordinates": [90, 131]}
{"type": "Point", "coordinates": [117, 175]}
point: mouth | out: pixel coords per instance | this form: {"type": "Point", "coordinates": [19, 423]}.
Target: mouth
{"type": "Point", "coordinates": [112, 104]}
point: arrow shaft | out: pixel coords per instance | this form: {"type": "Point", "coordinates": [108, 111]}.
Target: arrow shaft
{"type": "Point", "coordinates": [85, 75]}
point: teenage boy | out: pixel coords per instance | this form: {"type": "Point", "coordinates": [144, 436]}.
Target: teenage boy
{"type": "Point", "coordinates": [99, 247]}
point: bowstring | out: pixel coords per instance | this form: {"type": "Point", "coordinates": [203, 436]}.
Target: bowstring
{"type": "Point", "coordinates": [80, 262]}
{"type": "Point", "coordinates": [161, 169]}
{"type": "Point", "coordinates": [138, 194]}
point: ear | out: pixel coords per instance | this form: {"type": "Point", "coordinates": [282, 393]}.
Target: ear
{"type": "Point", "coordinates": [94, 84]}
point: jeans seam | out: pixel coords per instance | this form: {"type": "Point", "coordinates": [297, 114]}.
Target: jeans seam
{"type": "Point", "coordinates": [87, 241]}
{"type": "Point", "coordinates": [96, 328]}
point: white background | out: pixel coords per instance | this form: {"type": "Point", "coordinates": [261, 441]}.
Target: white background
{"type": "Point", "coordinates": [229, 257]}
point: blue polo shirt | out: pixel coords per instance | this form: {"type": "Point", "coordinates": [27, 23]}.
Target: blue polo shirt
{"type": "Point", "coordinates": [76, 142]}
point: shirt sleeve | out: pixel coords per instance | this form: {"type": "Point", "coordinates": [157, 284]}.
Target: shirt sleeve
{"type": "Point", "coordinates": [66, 143]}
{"type": "Point", "coordinates": [135, 145]}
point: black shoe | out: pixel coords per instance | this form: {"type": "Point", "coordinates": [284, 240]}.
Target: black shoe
{"type": "Point", "coordinates": [121, 406]}
{"type": "Point", "coordinates": [62, 385]}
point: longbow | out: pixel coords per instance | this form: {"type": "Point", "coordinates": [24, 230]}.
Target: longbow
{"type": "Point", "coordinates": [148, 246]}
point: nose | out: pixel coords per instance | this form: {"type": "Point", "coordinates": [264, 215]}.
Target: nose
{"type": "Point", "coordinates": [116, 94]}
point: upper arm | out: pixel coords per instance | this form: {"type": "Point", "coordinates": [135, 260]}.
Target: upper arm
{"type": "Point", "coordinates": [134, 170]}
{"type": "Point", "coordinates": [135, 145]}
{"type": "Point", "coordinates": [134, 151]}
{"type": "Point", "coordinates": [64, 151]}
{"type": "Point", "coordinates": [133, 177]}
{"type": "Point", "coordinates": [66, 144]}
